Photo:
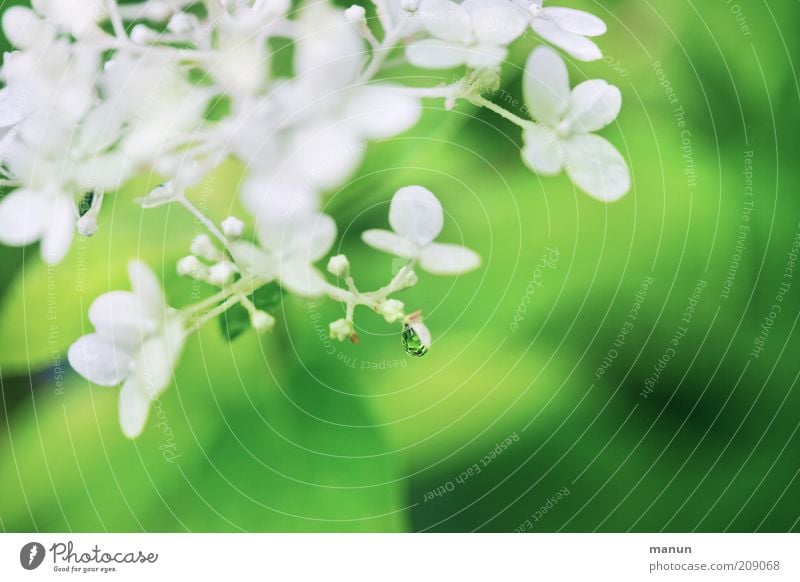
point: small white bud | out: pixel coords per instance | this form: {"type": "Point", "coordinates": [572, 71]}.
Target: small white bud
{"type": "Point", "coordinates": [181, 23]}
{"type": "Point", "coordinates": [192, 267]}
{"type": "Point", "coordinates": [338, 266]}
{"type": "Point", "coordinates": [221, 274]}
{"type": "Point", "coordinates": [232, 227]}
{"type": "Point", "coordinates": [409, 5]}
{"type": "Point", "coordinates": [87, 224]}
{"type": "Point", "coordinates": [142, 34]}
{"type": "Point", "coordinates": [355, 14]}
{"type": "Point", "coordinates": [391, 310]}
{"type": "Point", "coordinates": [262, 322]}
{"type": "Point", "coordinates": [341, 329]}
{"type": "Point", "coordinates": [203, 247]}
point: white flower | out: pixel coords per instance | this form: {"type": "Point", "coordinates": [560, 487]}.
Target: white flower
{"type": "Point", "coordinates": [338, 266]}
{"type": "Point", "coordinates": [78, 17]}
{"type": "Point", "coordinates": [287, 253]}
{"type": "Point", "coordinates": [391, 310]}
{"type": "Point", "coordinates": [27, 216]}
{"type": "Point", "coordinates": [566, 28]}
{"type": "Point", "coordinates": [475, 33]}
{"type": "Point", "coordinates": [262, 322]}
{"type": "Point", "coordinates": [341, 329]}
{"type": "Point", "coordinates": [137, 341]}
{"type": "Point", "coordinates": [416, 217]}
{"type": "Point", "coordinates": [563, 140]}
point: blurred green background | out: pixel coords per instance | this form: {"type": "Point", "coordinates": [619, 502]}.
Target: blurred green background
{"type": "Point", "coordinates": [292, 433]}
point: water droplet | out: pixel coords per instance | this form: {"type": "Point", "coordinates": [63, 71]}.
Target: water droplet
{"type": "Point", "coordinates": [412, 343]}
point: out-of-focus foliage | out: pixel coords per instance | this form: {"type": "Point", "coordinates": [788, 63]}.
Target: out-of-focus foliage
{"type": "Point", "coordinates": [292, 432]}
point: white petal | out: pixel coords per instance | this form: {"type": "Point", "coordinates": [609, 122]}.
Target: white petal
{"type": "Point", "coordinates": [576, 45]}
{"type": "Point", "coordinates": [378, 112]}
{"type": "Point", "coordinates": [542, 151]}
{"type": "Point", "coordinates": [99, 361]}
{"type": "Point", "coordinates": [593, 105]}
{"type": "Point", "coordinates": [436, 54]}
{"type": "Point", "coordinates": [546, 85]}
{"type": "Point", "coordinates": [10, 110]}
{"type": "Point", "coordinates": [416, 214]}
{"type": "Point", "coordinates": [325, 154]}
{"type": "Point", "coordinates": [497, 22]}
{"type": "Point", "coordinates": [302, 279]}
{"type": "Point", "coordinates": [24, 29]}
{"type": "Point", "coordinates": [278, 197]}
{"type": "Point", "coordinates": [445, 20]}
{"type": "Point", "coordinates": [306, 239]}
{"type": "Point", "coordinates": [254, 261]}
{"type": "Point", "coordinates": [59, 231]}
{"type": "Point", "coordinates": [575, 21]}
{"type": "Point", "coordinates": [134, 406]}
{"type": "Point", "coordinates": [23, 217]}
{"type": "Point", "coordinates": [447, 259]}
{"type": "Point", "coordinates": [596, 167]}
{"type": "Point", "coordinates": [328, 50]}
{"type": "Point", "coordinates": [119, 318]}
{"type": "Point", "coordinates": [147, 288]}
{"type": "Point", "coordinates": [485, 56]}
{"type": "Point", "coordinates": [389, 242]}
{"type": "Point", "coordinates": [156, 359]}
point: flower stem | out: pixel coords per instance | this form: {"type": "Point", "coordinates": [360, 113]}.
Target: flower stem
{"type": "Point", "coordinates": [483, 102]}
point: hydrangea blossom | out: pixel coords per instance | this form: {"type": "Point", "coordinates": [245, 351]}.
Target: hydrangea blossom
{"type": "Point", "coordinates": [566, 28]}
{"type": "Point", "coordinates": [136, 343]}
{"type": "Point", "coordinates": [474, 32]}
{"type": "Point", "coordinates": [96, 93]}
{"type": "Point", "coordinates": [564, 139]}
{"type": "Point", "coordinates": [416, 217]}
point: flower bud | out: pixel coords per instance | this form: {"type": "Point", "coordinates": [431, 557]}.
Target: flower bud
{"type": "Point", "coordinates": [391, 310]}
{"type": "Point", "coordinates": [262, 321]}
{"type": "Point", "coordinates": [232, 227]}
{"type": "Point", "coordinates": [142, 34]}
{"type": "Point", "coordinates": [203, 247]}
{"type": "Point", "coordinates": [338, 266]}
{"type": "Point", "coordinates": [181, 23]}
{"type": "Point", "coordinates": [409, 5]}
{"type": "Point", "coordinates": [87, 224]}
{"type": "Point", "coordinates": [355, 14]}
{"type": "Point", "coordinates": [192, 267]}
{"type": "Point", "coordinates": [221, 274]}
{"type": "Point", "coordinates": [341, 329]}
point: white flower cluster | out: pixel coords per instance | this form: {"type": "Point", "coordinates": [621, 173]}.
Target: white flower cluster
{"type": "Point", "coordinates": [98, 92]}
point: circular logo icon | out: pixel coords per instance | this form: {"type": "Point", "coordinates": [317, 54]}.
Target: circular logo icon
{"type": "Point", "coordinates": [31, 555]}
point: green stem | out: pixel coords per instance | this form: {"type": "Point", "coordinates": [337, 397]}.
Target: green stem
{"type": "Point", "coordinates": [483, 102]}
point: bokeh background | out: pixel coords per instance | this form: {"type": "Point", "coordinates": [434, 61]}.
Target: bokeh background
{"type": "Point", "coordinates": [596, 431]}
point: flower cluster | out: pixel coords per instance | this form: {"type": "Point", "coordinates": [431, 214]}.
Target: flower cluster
{"type": "Point", "coordinates": [96, 93]}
